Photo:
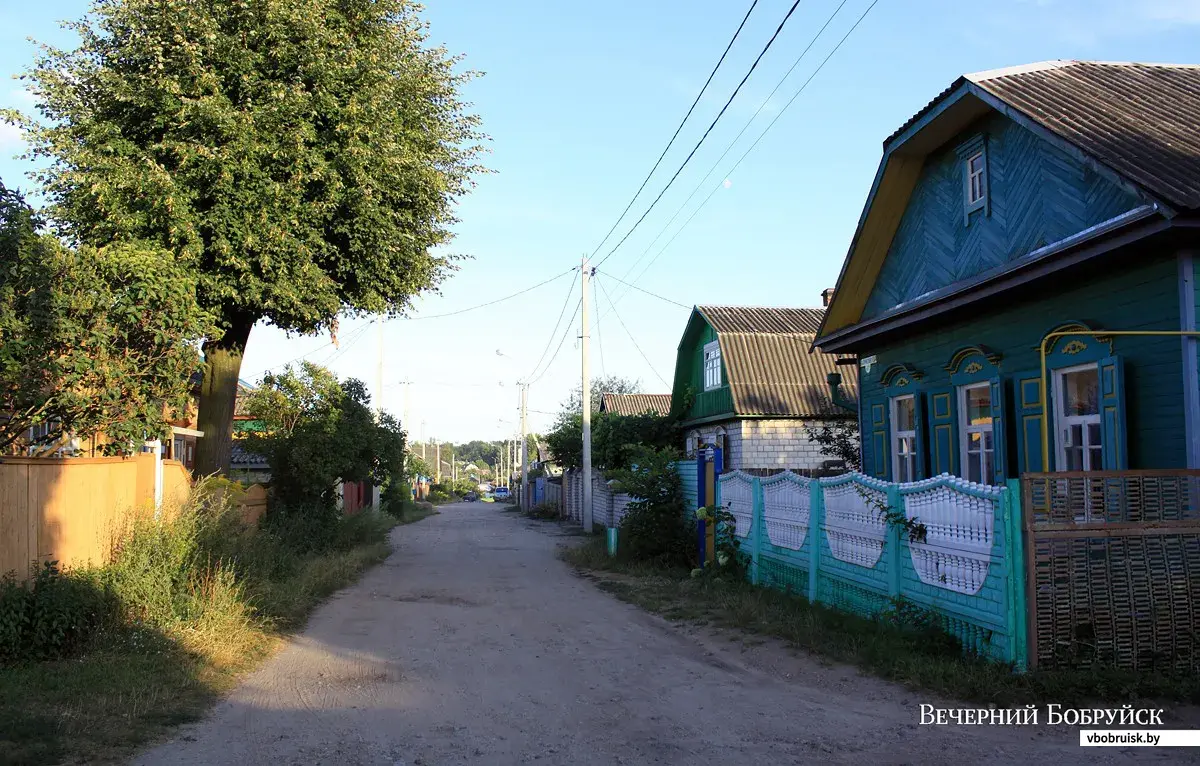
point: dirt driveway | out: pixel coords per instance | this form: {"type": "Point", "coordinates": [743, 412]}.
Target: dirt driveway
{"type": "Point", "coordinates": [474, 644]}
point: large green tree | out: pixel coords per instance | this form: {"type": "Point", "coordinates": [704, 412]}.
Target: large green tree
{"type": "Point", "coordinates": [301, 156]}
{"type": "Point", "coordinates": [91, 339]}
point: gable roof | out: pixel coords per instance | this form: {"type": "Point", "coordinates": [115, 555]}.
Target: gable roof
{"type": "Point", "coordinates": [770, 363]}
{"type": "Point", "coordinates": [1138, 119]}
{"type": "Point", "coordinates": [636, 404]}
{"type": "Point", "coordinates": [1134, 123]}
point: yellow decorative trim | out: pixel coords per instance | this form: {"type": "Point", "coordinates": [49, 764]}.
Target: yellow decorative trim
{"type": "Point", "coordinates": [901, 382]}
{"type": "Point", "coordinates": [1074, 347]}
{"type": "Point", "coordinates": [1081, 327]}
{"type": "Point", "coordinates": [973, 367]}
{"type": "Point", "coordinates": [993, 358]}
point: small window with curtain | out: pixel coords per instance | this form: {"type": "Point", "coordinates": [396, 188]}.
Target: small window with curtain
{"type": "Point", "coordinates": [904, 438]}
{"type": "Point", "coordinates": [976, 434]}
{"type": "Point", "coordinates": [712, 365]}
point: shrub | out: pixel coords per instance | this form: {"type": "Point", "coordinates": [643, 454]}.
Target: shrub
{"type": "Point", "coordinates": [544, 512]}
{"type": "Point", "coordinates": [57, 615]}
{"type": "Point", "coordinates": [654, 529]}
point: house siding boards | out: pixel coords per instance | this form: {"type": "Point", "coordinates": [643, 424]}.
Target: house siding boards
{"type": "Point", "coordinates": [1136, 291]}
{"type": "Point", "coordinates": [1037, 194]}
{"type": "Point", "coordinates": [705, 404]}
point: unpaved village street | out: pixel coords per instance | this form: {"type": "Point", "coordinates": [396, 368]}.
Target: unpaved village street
{"type": "Point", "coordinates": [474, 644]}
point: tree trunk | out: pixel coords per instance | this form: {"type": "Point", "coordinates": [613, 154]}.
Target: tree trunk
{"type": "Point", "coordinates": [218, 395]}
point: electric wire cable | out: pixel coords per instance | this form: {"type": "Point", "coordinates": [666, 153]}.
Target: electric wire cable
{"type": "Point", "coordinates": [633, 340]}
{"type": "Point", "coordinates": [737, 138]}
{"type": "Point", "coordinates": [562, 312]}
{"type": "Point", "coordinates": [756, 141]}
{"type": "Point", "coordinates": [489, 303]}
{"type": "Point", "coordinates": [566, 332]}
{"type": "Point", "coordinates": [716, 119]}
{"type": "Point", "coordinates": [682, 122]}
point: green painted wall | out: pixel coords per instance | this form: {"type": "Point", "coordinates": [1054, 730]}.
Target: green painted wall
{"type": "Point", "coordinates": [690, 374]}
{"type": "Point", "coordinates": [1136, 291]}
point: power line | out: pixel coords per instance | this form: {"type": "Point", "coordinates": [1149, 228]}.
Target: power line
{"type": "Point", "coordinates": [566, 331]}
{"type": "Point", "coordinates": [716, 119]}
{"type": "Point", "coordinates": [737, 138]}
{"type": "Point", "coordinates": [599, 340]}
{"type": "Point", "coordinates": [759, 139]}
{"type": "Point", "coordinates": [489, 303]}
{"type": "Point", "coordinates": [550, 341]}
{"type": "Point", "coordinates": [679, 128]}
{"type": "Point", "coordinates": [632, 339]}
{"type": "Point", "coordinates": [647, 292]}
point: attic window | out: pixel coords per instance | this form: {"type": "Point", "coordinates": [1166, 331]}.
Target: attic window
{"type": "Point", "coordinates": [975, 178]}
{"type": "Point", "coordinates": [712, 365]}
{"type": "Point", "coordinates": [973, 155]}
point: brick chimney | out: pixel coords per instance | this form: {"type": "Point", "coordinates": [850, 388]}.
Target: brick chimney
{"type": "Point", "coordinates": [826, 296]}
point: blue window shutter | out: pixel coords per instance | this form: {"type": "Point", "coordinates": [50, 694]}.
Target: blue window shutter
{"type": "Point", "coordinates": [943, 432]}
{"type": "Point", "coordinates": [1029, 411]}
{"type": "Point", "coordinates": [999, 432]}
{"type": "Point", "coordinates": [919, 422]}
{"type": "Point", "coordinates": [880, 464]}
{"type": "Point", "coordinates": [1112, 414]}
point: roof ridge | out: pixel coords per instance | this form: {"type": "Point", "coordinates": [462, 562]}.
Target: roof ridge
{"type": "Point", "coordinates": [759, 308]}
{"type": "Point", "coordinates": [1036, 66]}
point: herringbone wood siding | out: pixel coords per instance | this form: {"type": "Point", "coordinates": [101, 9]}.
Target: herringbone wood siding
{"type": "Point", "coordinates": [1038, 195]}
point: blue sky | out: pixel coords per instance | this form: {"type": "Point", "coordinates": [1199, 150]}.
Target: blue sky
{"type": "Point", "coordinates": [579, 99]}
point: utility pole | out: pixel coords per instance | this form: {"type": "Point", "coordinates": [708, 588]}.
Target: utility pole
{"type": "Point", "coordinates": [524, 449]}
{"type": "Point", "coordinates": [586, 274]}
{"type": "Point", "coordinates": [437, 456]}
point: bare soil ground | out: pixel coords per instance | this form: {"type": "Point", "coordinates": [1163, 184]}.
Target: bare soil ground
{"type": "Point", "coordinates": [474, 644]}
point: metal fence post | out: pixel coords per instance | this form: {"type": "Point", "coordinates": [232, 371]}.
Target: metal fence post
{"type": "Point", "coordinates": [816, 522]}
{"type": "Point", "coordinates": [1015, 555]}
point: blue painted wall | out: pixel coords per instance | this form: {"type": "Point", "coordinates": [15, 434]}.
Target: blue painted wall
{"type": "Point", "coordinates": [1038, 195]}
{"type": "Point", "coordinates": [1135, 291]}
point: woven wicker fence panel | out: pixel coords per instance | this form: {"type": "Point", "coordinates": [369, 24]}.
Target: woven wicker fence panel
{"type": "Point", "coordinates": [1114, 578]}
{"type": "Point", "coordinates": [1129, 602]}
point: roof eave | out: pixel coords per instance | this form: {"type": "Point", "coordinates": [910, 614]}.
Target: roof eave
{"type": "Point", "coordinates": [1104, 238]}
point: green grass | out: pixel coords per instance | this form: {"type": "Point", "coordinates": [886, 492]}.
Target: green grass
{"type": "Point", "coordinates": [235, 595]}
{"type": "Point", "coordinates": [912, 656]}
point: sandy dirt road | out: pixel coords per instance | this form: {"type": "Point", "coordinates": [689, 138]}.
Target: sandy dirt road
{"type": "Point", "coordinates": [474, 644]}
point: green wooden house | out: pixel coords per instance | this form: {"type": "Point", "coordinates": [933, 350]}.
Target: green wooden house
{"type": "Point", "coordinates": [747, 381]}
{"type": "Point", "coordinates": [1052, 206]}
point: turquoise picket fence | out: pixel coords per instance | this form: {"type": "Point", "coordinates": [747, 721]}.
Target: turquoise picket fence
{"type": "Point", "coordinates": [830, 541]}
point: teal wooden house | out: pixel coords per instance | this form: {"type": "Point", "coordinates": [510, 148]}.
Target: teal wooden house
{"type": "Point", "coordinates": [1043, 210]}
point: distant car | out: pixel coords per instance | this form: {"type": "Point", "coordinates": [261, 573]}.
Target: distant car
{"type": "Point", "coordinates": [502, 493]}
{"type": "Point", "coordinates": [470, 497]}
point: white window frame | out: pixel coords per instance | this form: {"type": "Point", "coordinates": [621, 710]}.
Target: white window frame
{"type": "Point", "coordinates": [693, 443]}
{"type": "Point", "coordinates": [897, 436]}
{"type": "Point", "coordinates": [972, 200]}
{"type": "Point", "coordinates": [712, 353]}
{"type": "Point", "coordinates": [988, 461]}
{"type": "Point", "coordinates": [1063, 421]}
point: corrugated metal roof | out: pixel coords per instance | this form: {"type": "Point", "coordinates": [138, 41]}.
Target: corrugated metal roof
{"type": "Point", "coordinates": [774, 374]}
{"type": "Point", "coordinates": [636, 404]}
{"type": "Point", "coordinates": [240, 457]}
{"type": "Point", "coordinates": [1141, 120]}
{"type": "Point", "coordinates": [1138, 119]}
{"type": "Point", "coordinates": [756, 319]}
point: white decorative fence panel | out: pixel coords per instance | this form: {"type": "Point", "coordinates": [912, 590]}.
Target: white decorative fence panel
{"type": "Point", "coordinates": [959, 531]}
{"type": "Point", "coordinates": [737, 494]}
{"type": "Point", "coordinates": [854, 521]}
{"type": "Point", "coordinates": [787, 505]}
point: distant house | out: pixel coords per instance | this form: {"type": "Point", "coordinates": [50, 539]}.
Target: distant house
{"type": "Point", "coordinates": [636, 404]}
{"type": "Point", "coordinates": [244, 465]}
{"type": "Point", "coordinates": [750, 381]}
{"type": "Point", "coordinates": [1050, 206]}
{"type": "Point", "coordinates": [544, 459]}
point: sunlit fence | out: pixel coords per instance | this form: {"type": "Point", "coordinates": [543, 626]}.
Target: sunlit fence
{"type": "Point", "coordinates": [944, 548]}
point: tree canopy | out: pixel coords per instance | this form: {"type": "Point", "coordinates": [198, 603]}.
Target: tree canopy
{"type": "Point", "coordinates": [301, 157]}
{"type": "Point", "coordinates": [91, 339]}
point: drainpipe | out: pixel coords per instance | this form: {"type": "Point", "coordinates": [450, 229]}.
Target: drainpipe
{"type": "Point", "coordinates": [834, 379]}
